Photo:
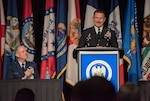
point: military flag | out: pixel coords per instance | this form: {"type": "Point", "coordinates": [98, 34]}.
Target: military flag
{"type": "Point", "coordinates": [61, 40]}
{"type": "Point", "coordinates": [91, 6]}
{"type": "Point", "coordinates": [146, 43]}
{"type": "Point", "coordinates": [12, 39]}
{"type": "Point", "coordinates": [74, 32]}
{"type": "Point", "coordinates": [131, 42]}
{"type": "Point", "coordinates": [48, 59]}
{"type": "Point", "coordinates": [114, 23]}
{"type": "Point", "coordinates": [28, 37]}
{"type": "Point", "coordinates": [2, 35]}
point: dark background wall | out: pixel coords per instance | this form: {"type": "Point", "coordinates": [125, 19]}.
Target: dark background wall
{"type": "Point", "coordinates": [38, 14]}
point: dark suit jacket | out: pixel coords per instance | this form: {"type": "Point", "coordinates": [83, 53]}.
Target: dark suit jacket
{"type": "Point", "coordinates": [89, 38]}
{"type": "Point", "coordinates": [15, 71]}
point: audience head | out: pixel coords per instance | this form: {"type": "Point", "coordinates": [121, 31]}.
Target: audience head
{"type": "Point", "coordinates": [99, 18]}
{"type": "Point", "coordinates": [98, 89]}
{"type": "Point", "coordinates": [76, 91]}
{"type": "Point", "coordinates": [24, 94]}
{"type": "Point", "coordinates": [129, 92]}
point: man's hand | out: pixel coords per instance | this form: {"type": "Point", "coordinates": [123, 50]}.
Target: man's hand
{"type": "Point", "coordinates": [31, 69]}
{"type": "Point", "coordinates": [28, 73]}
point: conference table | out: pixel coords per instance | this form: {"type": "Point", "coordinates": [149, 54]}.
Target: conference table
{"type": "Point", "coordinates": [44, 89]}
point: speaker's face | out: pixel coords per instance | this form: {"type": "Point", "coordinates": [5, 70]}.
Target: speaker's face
{"type": "Point", "coordinates": [99, 19]}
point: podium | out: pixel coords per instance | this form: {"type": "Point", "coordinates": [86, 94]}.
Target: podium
{"type": "Point", "coordinates": [99, 61]}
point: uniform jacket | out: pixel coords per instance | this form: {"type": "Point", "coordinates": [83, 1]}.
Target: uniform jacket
{"type": "Point", "coordinates": [89, 38]}
{"type": "Point", "coordinates": [15, 71]}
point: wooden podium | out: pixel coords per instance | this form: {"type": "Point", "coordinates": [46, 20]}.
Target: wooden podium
{"type": "Point", "coordinates": [100, 61]}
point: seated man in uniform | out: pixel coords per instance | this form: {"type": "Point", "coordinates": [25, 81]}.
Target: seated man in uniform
{"type": "Point", "coordinates": [22, 69]}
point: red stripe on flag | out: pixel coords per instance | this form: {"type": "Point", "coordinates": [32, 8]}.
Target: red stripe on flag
{"type": "Point", "coordinates": [2, 35]}
{"type": "Point", "coordinates": [77, 8]}
{"type": "Point", "coordinates": [49, 4]}
{"type": "Point", "coordinates": [2, 30]}
{"type": "Point", "coordinates": [27, 9]}
{"type": "Point", "coordinates": [52, 66]}
{"type": "Point", "coordinates": [121, 74]}
{"type": "Point", "coordinates": [69, 41]}
{"type": "Point", "coordinates": [43, 69]}
{"type": "Point", "coordinates": [48, 63]}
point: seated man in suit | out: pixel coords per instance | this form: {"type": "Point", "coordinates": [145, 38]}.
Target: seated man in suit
{"type": "Point", "coordinates": [97, 35]}
{"type": "Point", "coordinates": [22, 69]}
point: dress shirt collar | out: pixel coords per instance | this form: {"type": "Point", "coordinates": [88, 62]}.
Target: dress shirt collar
{"type": "Point", "coordinates": [20, 63]}
{"type": "Point", "coordinates": [96, 29]}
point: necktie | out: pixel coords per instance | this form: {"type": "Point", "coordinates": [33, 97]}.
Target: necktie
{"type": "Point", "coordinates": [23, 69]}
{"type": "Point", "coordinates": [99, 31]}
{"type": "Point", "coordinates": [98, 43]}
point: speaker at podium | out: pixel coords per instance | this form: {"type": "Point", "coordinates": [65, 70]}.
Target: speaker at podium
{"type": "Point", "coordinates": [100, 61]}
